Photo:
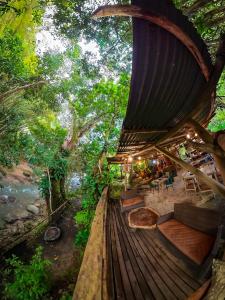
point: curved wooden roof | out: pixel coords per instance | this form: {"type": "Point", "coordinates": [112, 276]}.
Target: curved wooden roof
{"type": "Point", "coordinates": [167, 80]}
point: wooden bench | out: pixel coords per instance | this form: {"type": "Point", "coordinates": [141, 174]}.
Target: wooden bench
{"type": "Point", "coordinates": [131, 200]}
{"type": "Point", "coordinates": [195, 232]}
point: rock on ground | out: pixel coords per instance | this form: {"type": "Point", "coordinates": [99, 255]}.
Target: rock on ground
{"type": "Point", "coordinates": [33, 209]}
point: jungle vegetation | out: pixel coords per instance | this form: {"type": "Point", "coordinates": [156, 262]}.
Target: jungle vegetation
{"type": "Point", "coordinates": [62, 107]}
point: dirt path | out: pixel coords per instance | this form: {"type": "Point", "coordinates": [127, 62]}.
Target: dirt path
{"type": "Point", "coordinates": [63, 254]}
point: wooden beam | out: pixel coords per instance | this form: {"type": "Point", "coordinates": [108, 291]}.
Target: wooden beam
{"type": "Point", "coordinates": [134, 131]}
{"type": "Point", "coordinates": [210, 145]}
{"type": "Point", "coordinates": [206, 147]}
{"type": "Point", "coordinates": [133, 145]}
{"type": "Point", "coordinates": [201, 131]}
{"type": "Point", "coordinates": [217, 187]}
{"type": "Point", "coordinates": [160, 20]}
{"type": "Point", "coordinates": [172, 140]}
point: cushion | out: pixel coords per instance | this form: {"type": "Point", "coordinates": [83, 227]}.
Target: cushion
{"type": "Point", "coordinates": [193, 243]}
{"type": "Point", "coordinates": [128, 194]}
{"type": "Point", "coordinates": [131, 201]}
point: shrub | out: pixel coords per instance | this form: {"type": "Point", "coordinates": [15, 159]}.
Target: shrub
{"type": "Point", "coordinates": [82, 237]}
{"type": "Point", "coordinates": [84, 217]}
{"type": "Point", "coordinates": [30, 281]}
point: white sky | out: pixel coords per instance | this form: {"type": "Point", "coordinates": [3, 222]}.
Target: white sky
{"type": "Point", "coordinates": [48, 39]}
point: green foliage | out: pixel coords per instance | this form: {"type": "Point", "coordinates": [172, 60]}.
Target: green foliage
{"type": "Point", "coordinates": [82, 237]}
{"type": "Point", "coordinates": [113, 36]}
{"type": "Point", "coordinates": [83, 217]}
{"type": "Point", "coordinates": [66, 296]}
{"type": "Point", "coordinates": [11, 59]}
{"type": "Point", "coordinates": [30, 282]}
{"type": "Point", "coordinates": [218, 122]}
{"type": "Point", "coordinates": [22, 17]}
{"type": "Point", "coordinates": [182, 152]}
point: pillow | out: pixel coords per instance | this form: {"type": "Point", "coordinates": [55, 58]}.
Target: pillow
{"type": "Point", "coordinates": [217, 288]}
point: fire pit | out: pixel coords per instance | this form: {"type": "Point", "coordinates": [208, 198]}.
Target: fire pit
{"type": "Point", "coordinates": [143, 217]}
{"type": "Point", "coordinates": [52, 234]}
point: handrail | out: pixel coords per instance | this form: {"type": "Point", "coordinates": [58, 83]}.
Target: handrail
{"type": "Point", "coordinates": [92, 278]}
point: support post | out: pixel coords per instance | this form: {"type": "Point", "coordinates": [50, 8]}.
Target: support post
{"type": "Point", "coordinates": [216, 150]}
{"type": "Point", "coordinates": [213, 184]}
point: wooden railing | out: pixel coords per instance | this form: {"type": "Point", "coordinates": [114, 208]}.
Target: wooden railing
{"type": "Point", "coordinates": [92, 279]}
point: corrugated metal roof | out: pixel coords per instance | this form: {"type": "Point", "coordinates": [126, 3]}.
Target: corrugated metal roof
{"type": "Point", "coordinates": [166, 79]}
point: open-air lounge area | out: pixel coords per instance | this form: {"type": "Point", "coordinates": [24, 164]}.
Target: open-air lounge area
{"type": "Point", "coordinates": [160, 234]}
{"type": "Point", "coordinates": [112, 149]}
{"type": "Point", "coordinates": [164, 183]}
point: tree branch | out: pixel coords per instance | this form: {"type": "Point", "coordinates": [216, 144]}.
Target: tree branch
{"type": "Point", "coordinates": [74, 139]}
{"type": "Point", "coordinates": [197, 5]}
{"type": "Point", "coordinates": [21, 88]}
{"type": "Point", "coordinates": [89, 125]}
{"type": "Point", "coordinates": [214, 12]}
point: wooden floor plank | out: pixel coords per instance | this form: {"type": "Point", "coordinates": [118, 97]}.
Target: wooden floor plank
{"type": "Point", "coordinates": [180, 267]}
{"type": "Point", "coordinates": [122, 258]}
{"type": "Point", "coordinates": [164, 282]}
{"type": "Point", "coordinates": [117, 278]}
{"type": "Point", "coordinates": [174, 282]}
{"type": "Point", "coordinates": [170, 269]}
{"type": "Point", "coordinates": [130, 268]}
{"type": "Point", "coordinates": [112, 277]}
{"type": "Point", "coordinates": [148, 271]}
{"type": "Point", "coordinates": [141, 269]}
{"type": "Point", "coordinates": [135, 260]}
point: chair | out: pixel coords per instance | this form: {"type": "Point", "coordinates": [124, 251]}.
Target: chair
{"type": "Point", "coordinates": [190, 184]}
{"type": "Point", "coordinates": [154, 187]}
{"type": "Point", "coordinates": [204, 189]}
{"type": "Point", "coordinates": [169, 182]}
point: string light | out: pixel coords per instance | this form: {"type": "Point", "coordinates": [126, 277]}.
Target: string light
{"type": "Point", "coordinates": [188, 136]}
{"type": "Point", "coordinates": [196, 134]}
{"type": "Point", "coordinates": [139, 157]}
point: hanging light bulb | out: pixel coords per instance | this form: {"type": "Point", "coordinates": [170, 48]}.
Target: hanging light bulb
{"type": "Point", "coordinates": [188, 136]}
{"type": "Point", "coordinates": [139, 157]}
{"type": "Point", "coordinates": [130, 159]}
{"type": "Point", "coordinates": [196, 134]}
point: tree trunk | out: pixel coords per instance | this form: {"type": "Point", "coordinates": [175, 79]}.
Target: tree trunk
{"type": "Point", "coordinates": [58, 197]}
{"type": "Point", "coordinates": [220, 162]}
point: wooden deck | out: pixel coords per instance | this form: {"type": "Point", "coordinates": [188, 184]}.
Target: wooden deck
{"type": "Point", "coordinates": [139, 266]}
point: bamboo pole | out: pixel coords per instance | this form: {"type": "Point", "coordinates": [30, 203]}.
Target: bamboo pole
{"type": "Point", "coordinates": [213, 184]}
